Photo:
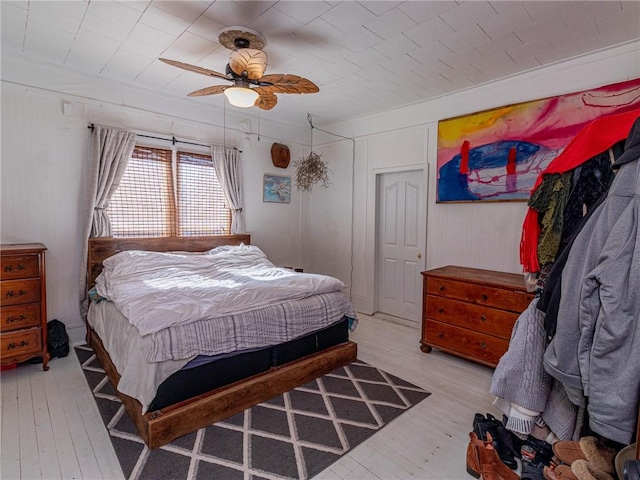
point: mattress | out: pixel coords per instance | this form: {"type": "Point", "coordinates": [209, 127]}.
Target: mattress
{"type": "Point", "coordinates": [219, 372]}
{"type": "Point", "coordinates": [141, 378]}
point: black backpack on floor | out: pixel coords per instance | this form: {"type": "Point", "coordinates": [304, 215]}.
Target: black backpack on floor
{"type": "Point", "coordinates": [57, 339]}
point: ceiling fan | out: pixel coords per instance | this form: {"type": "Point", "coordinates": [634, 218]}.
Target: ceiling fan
{"type": "Point", "coordinates": [245, 70]}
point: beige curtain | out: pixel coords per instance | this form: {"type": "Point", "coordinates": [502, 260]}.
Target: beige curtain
{"type": "Point", "coordinates": [227, 164]}
{"type": "Point", "coordinates": [110, 152]}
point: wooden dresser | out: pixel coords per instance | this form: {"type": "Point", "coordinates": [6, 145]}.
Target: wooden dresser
{"type": "Point", "coordinates": [23, 303]}
{"type": "Point", "coordinates": [470, 312]}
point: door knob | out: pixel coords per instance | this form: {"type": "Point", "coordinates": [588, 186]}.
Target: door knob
{"type": "Point", "coordinates": [419, 255]}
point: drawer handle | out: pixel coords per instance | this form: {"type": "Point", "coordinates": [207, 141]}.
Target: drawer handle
{"type": "Point", "coordinates": [442, 288]}
{"type": "Point", "coordinates": [19, 318]}
{"type": "Point", "coordinates": [10, 268]}
{"type": "Point", "coordinates": [441, 310]}
{"type": "Point", "coordinates": [440, 334]}
{"type": "Point", "coordinates": [483, 345]}
{"type": "Point", "coordinates": [11, 293]}
{"type": "Point", "coordinates": [483, 317]}
{"type": "Point", "coordinates": [13, 345]}
{"type": "Point", "coordinates": [485, 297]}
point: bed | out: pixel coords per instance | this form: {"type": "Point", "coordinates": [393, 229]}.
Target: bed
{"type": "Point", "coordinates": [189, 395]}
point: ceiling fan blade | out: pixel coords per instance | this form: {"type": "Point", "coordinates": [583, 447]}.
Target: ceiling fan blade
{"type": "Point", "coordinates": [285, 83]}
{"type": "Point", "coordinates": [213, 90]}
{"type": "Point", "coordinates": [249, 60]}
{"type": "Point", "coordinates": [193, 68]}
{"type": "Point", "coordinates": [266, 100]}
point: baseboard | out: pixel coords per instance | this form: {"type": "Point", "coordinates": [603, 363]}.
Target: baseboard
{"type": "Point", "coordinates": [362, 305]}
{"type": "Point", "coordinates": [77, 333]}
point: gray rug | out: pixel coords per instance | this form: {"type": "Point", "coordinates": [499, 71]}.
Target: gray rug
{"type": "Point", "coordinates": [295, 435]}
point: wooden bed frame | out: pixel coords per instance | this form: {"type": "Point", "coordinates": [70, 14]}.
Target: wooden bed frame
{"type": "Point", "coordinates": [160, 427]}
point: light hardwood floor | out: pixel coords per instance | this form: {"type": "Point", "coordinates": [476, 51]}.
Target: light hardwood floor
{"type": "Point", "coordinates": [51, 428]}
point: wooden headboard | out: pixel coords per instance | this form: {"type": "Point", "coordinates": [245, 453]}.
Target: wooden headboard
{"type": "Point", "coordinates": [101, 248]}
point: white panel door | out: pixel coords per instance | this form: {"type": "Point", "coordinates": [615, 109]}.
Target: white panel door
{"type": "Point", "coordinates": [401, 237]}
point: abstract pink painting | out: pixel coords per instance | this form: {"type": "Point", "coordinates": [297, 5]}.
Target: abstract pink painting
{"type": "Point", "coordinates": [497, 154]}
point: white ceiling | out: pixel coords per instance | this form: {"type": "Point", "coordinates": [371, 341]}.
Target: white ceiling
{"type": "Point", "coordinates": [365, 56]}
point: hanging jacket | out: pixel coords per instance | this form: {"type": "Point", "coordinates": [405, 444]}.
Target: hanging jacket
{"type": "Point", "coordinates": [591, 181]}
{"type": "Point", "coordinates": [595, 352]}
{"type": "Point", "coordinates": [596, 137]}
{"type": "Point", "coordinates": [550, 296]}
{"type": "Point", "coordinates": [591, 187]}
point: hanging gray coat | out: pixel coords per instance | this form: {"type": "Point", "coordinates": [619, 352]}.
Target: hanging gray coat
{"type": "Point", "coordinates": [595, 352]}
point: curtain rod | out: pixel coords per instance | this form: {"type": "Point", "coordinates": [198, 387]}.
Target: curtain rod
{"type": "Point", "coordinates": [173, 139]}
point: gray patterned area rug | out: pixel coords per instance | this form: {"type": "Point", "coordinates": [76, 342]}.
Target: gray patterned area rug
{"type": "Point", "coordinates": [293, 436]}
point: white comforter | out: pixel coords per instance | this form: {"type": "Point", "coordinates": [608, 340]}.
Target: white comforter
{"type": "Point", "coordinates": [159, 290]}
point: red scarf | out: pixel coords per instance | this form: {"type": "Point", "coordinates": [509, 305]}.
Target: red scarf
{"type": "Point", "coordinates": [595, 138]}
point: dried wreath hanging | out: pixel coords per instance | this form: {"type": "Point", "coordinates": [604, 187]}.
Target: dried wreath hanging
{"type": "Point", "coordinates": [311, 169]}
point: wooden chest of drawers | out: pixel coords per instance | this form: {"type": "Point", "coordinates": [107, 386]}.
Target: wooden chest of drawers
{"type": "Point", "coordinates": [470, 312]}
{"type": "Point", "coordinates": [23, 303]}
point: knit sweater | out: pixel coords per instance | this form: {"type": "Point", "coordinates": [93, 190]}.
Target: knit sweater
{"type": "Point", "coordinates": [520, 379]}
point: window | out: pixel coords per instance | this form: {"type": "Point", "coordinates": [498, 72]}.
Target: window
{"type": "Point", "coordinates": [168, 193]}
{"type": "Point", "coordinates": [200, 197]}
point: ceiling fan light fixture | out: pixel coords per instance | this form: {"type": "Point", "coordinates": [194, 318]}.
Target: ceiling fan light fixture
{"type": "Point", "coordinates": [241, 96]}
{"type": "Point", "coordinates": [245, 70]}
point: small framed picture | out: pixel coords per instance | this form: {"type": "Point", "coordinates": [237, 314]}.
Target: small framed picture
{"type": "Point", "coordinates": [276, 189]}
